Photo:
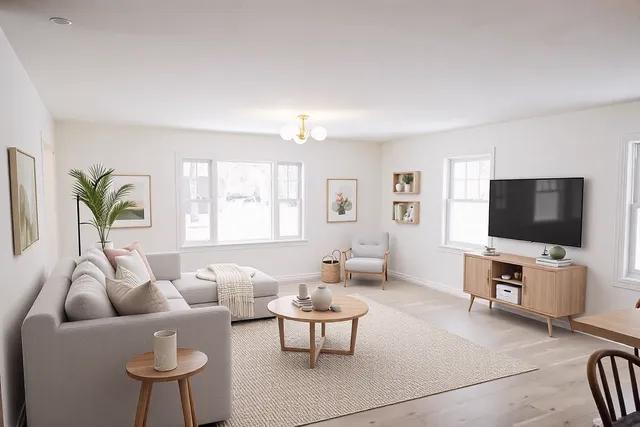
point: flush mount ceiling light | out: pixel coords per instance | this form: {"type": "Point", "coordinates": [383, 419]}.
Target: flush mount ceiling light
{"type": "Point", "coordinates": [60, 21]}
{"type": "Point", "coordinates": [300, 134]}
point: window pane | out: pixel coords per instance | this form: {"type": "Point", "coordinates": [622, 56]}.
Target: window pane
{"type": "Point", "coordinates": [484, 190]}
{"type": "Point", "coordinates": [473, 189]}
{"type": "Point", "coordinates": [636, 251]}
{"type": "Point", "coordinates": [485, 169]}
{"type": "Point", "coordinates": [289, 218]}
{"type": "Point", "coordinates": [244, 201]}
{"type": "Point", "coordinates": [473, 169]}
{"type": "Point", "coordinates": [196, 182]}
{"type": "Point", "coordinates": [197, 221]}
{"type": "Point", "coordinates": [459, 170]}
{"type": "Point", "coordinates": [468, 222]}
{"type": "Point", "coordinates": [287, 181]}
{"type": "Point", "coordinates": [459, 189]}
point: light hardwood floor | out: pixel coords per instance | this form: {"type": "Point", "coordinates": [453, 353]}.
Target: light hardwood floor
{"type": "Point", "coordinates": [555, 395]}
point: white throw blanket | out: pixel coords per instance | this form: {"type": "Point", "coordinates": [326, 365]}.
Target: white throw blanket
{"type": "Point", "coordinates": [235, 289]}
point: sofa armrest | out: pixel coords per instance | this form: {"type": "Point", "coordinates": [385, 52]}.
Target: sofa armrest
{"type": "Point", "coordinates": [165, 265]}
{"type": "Point", "coordinates": [84, 362]}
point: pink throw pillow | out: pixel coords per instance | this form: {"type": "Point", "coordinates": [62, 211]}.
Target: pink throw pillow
{"type": "Point", "coordinates": [135, 246]}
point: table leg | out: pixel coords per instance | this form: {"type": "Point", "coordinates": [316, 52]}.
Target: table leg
{"type": "Point", "coordinates": [143, 404]}
{"type": "Point", "coordinates": [323, 328]}
{"type": "Point", "coordinates": [194, 419]}
{"type": "Point", "coordinates": [281, 330]}
{"type": "Point", "coordinates": [186, 402]}
{"type": "Point", "coordinates": [354, 333]}
{"type": "Point", "coordinates": [312, 345]}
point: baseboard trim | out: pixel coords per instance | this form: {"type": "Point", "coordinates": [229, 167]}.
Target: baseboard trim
{"type": "Point", "coordinates": [441, 287]}
{"type": "Point", "coordinates": [288, 278]}
{"type": "Point", "coordinates": [22, 416]}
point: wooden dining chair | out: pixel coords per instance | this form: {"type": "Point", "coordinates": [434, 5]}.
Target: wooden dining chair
{"type": "Point", "coordinates": [605, 404]}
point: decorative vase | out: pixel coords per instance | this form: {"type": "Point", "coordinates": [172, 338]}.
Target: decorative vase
{"type": "Point", "coordinates": [165, 350]}
{"type": "Point", "coordinates": [399, 187]}
{"type": "Point", "coordinates": [407, 188]}
{"type": "Point", "coordinates": [557, 252]}
{"type": "Point", "coordinates": [107, 245]}
{"type": "Point", "coordinates": [303, 291]}
{"type": "Point", "coordinates": [321, 298]}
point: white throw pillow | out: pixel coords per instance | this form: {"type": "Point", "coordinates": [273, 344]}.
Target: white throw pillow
{"type": "Point", "coordinates": [89, 268]}
{"type": "Point", "coordinates": [130, 297]}
{"type": "Point", "coordinates": [135, 264]}
{"type": "Point", "coordinates": [99, 259]}
{"type": "Point", "coordinates": [87, 299]}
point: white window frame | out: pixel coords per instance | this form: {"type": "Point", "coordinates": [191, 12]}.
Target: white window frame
{"type": "Point", "coordinates": [446, 199]}
{"type": "Point", "coordinates": [628, 276]}
{"type": "Point", "coordinates": [275, 238]}
{"type": "Point", "coordinates": [299, 200]}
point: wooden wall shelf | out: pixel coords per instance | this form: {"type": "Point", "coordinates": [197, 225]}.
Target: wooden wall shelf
{"type": "Point", "coordinates": [400, 208]}
{"type": "Point", "coordinates": [415, 185]}
{"type": "Point", "coordinates": [546, 291]}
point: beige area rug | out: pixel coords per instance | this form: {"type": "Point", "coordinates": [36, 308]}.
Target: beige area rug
{"type": "Point", "coordinates": [397, 358]}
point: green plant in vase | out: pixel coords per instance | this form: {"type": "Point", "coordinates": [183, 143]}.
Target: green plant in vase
{"type": "Point", "coordinates": [407, 180]}
{"type": "Point", "coordinates": [94, 189]}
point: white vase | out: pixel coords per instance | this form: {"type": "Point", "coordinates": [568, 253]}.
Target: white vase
{"type": "Point", "coordinates": [165, 350]}
{"type": "Point", "coordinates": [107, 245]}
{"type": "Point", "coordinates": [399, 187]}
{"type": "Point", "coordinates": [407, 188]}
{"type": "Point", "coordinates": [321, 298]}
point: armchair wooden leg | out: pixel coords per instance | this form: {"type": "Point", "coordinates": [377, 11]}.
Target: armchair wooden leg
{"type": "Point", "coordinates": [346, 277]}
{"type": "Point", "coordinates": [383, 280]}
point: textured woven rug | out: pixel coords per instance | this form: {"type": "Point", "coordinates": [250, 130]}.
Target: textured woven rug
{"type": "Point", "coordinates": [397, 358]}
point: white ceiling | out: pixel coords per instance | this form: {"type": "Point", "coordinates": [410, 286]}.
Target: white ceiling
{"type": "Point", "coordinates": [367, 69]}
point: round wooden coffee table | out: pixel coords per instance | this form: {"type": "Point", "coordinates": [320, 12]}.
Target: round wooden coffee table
{"type": "Point", "coordinates": [190, 362]}
{"type": "Point", "coordinates": [352, 309]}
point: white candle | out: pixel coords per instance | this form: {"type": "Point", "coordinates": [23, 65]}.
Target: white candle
{"type": "Point", "coordinates": [165, 350]}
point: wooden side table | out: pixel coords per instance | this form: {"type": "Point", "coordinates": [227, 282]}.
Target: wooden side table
{"type": "Point", "coordinates": [140, 368]}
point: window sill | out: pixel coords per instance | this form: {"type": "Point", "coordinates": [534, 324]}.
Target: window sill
{"type": "Point", "coordinates": [628, 282]}
{"type": "Point", "coordinates": [242, 245]}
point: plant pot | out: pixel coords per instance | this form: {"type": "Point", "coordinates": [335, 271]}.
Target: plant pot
{"type": "Point", "coordinates": [321, 298]}
{"type": "Point", "coordinates": [407, 188]}
{"type": "Point", "coordinates": [107, 245]}
{"type": "Point", "coordinates": [399, 187]}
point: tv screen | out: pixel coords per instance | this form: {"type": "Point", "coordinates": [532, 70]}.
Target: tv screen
{"type": "Point", "coordinates": [546, 210]}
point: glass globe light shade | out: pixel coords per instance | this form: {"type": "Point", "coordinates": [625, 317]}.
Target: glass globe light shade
{"type": "Point", "coordinates": [288, 132]}
{"type": "Point", "coordinates": [319, 133]}
{"type": "Point", "coordinates": [299, 140]}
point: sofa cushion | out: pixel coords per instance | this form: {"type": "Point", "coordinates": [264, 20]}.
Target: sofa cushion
{"type": "Point", "coordinates": [372, 245]}
{"type": "Point", "coordinates": [87, 299]}
{"type": "Point", "coordinates": [111, 255]}
{"type": "Point", "coordinates": [89, 268]}
{"type": "Point", "coordinates": [364, 265]}
{"type": "Point", "coordinates": [198, 291]}
{"type": "Point", "coordinates": [133, 262]}
{"type": "Point", "coordinates": [167, 288]}
{"type": "Point", "coordinates": [97, 257]}
{"type": "Point", "coordinates": [130, 297]}
{"type": "Point", "coordinates": [178, 304]}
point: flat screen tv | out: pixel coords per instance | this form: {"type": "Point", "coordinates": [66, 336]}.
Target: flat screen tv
{"type": "Point", "coordinates": [545, 210]}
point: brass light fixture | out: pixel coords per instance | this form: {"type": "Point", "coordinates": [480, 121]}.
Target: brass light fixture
{"type": "Point", "coordinates": [301, 133]}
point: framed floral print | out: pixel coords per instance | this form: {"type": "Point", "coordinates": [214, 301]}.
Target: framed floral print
{"type": "Point", "coordinates": [342, 200]}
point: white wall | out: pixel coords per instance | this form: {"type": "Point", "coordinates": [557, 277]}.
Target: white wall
{"type": "Point", "coordinates": [145, 150]}
{"type": "Point", "coordinates": [586, 143]}
{"type": "Point", "coordinates": [24, 123]}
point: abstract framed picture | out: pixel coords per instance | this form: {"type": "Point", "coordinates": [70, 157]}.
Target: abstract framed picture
{"type": "Point", "coordinates": [342, 200]}
{"type": "Point", "coordinates": [140, 214]}
{"type": "Point", "coordinates": [24, 199]}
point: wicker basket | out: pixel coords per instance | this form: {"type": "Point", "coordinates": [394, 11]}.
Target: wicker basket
{"type": "Point", "coordinates": [330, 272]}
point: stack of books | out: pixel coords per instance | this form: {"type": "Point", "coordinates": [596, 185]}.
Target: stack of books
{"type": "Point", "coordinates": [304, 302]}
{"type": "Point", "coordinates": [550, 262]}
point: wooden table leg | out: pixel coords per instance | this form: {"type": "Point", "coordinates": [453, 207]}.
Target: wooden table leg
{"type": "Point", "coordinates": [143, 404]}
{"type": "Point", "coordinates": [550, 326]}
{"type": "Point", "coordinates": [194, 419]}
{"type": "Point", "coordinates": [186, 402]}
{"type": "Point", "coordinates": [281, 330]}
{"type": "Point", "coordinates": [312, 345]}
{"type": "Point", "coordinates": [471, 302]}
{"type": "Point", "coordinates": [354, 333]}
{"type": "Point", "coordinates": [323, 328]}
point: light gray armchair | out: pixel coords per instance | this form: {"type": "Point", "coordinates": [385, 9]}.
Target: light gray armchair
{"type": "Point", "coordinates": [369, 254]}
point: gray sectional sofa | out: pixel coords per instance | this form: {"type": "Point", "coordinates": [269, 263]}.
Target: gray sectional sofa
{"type": "Point", "coordinates": [74, 371]}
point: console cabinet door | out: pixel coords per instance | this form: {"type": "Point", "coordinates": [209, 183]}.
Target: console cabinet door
{"type": "Point", "coordinates": [477, 276]}
{"type": "Point", "coordinates": [539, 290]}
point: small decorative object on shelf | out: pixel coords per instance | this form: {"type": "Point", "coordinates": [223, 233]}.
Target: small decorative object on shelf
{"type": "Point", "coordinates": [321, 298]}
{"type": "Point", "coordinates": [406, 212]}
{"type": "Point", "coordinates": [399, 187]}
{"type": "Point", "coordinates": [335, 308]}
{"type": "Point", "coordinates": [517, 275]}
{"type": "Point", "coordinates": [489, 251]}
{"type": "Point", "coordinates": [506, 277]}
{"type": "Point", "coordinates": [557, 252]}
{"type": "Point", "coordinates": [406, 182]}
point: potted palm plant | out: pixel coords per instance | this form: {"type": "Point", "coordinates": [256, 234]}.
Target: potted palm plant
{"type": "Point", "coordinates": [93, 188]}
